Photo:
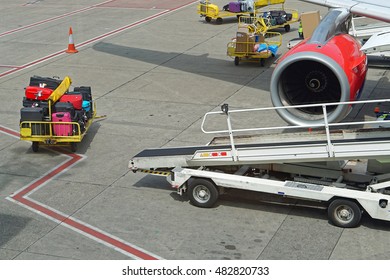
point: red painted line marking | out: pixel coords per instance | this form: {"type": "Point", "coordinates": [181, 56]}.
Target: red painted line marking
{"type": "Point", "coordinates": [83, 228]}
{"type": "Point", "coordinates": [21, 197]}
{"type": "Point", "coordinates": [74, 159]}
{"type": "Point", "coordinates": [9, 131]}
{"type": "Point", "coordinates": [53, 18]}
{"type": "Point", "coordinates": [9, 66]}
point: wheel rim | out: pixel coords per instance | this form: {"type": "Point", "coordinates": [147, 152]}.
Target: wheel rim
{"type": "Point", "coordinates": [201, 194]}
{"type": "Point", "coordinates": [344, 214]}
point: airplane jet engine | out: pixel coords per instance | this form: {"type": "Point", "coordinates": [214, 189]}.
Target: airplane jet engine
{"type": "Point", "coordinates": [328, 67]}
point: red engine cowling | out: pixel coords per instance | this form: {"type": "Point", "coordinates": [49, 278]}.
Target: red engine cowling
{"type": "Point", "coordinates": [323, 69]}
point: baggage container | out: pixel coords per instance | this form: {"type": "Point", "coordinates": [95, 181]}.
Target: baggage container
{"type": "Point", "coordinates": [75, 98]}
{"type": "Point", "coordinates": [34, 114]}
{"type": "Point", "coordinates": [234, 7]}
{"type": "Point", "coordinates": [38, 93]}
{"type": "Point", "coordinates": [85, 91]}
{"type": "Point", "coordinates": [44, 104]}
{"type": "Point", "coordinates": [87, 106]}
{"type": "Point", "coordinates": [243, 6]}
{"type": "Point", "coordinates": [64, 107]}
{"type": "Point", "coordinates": [60, 129]}
{"type": "Point", "coordinates": [45, 82]}
{"type": "Point", "coordinates": [31, 114]}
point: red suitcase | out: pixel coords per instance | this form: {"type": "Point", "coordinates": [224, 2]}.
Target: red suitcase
{"type": "Point", "coordinates": [62, 129]}
{"type": "Point", "coordinates": [75, 99]}
{"type": "Point", "coordinates": [38, 93]}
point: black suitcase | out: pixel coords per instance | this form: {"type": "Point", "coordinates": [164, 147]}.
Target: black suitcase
{"type": "Point", "coordinates": [47, 82]}
{"type": "Point", "coordinates": [34, 114]}
{"type": "Point", "coordinates": [277, 13]}
{"type": "Point", "coordinates": [31, 114]}
{"type": "Point", "coordinates": [44, 104]}
{"type": "Point", "coordinates": [85, 91]}
{"type": "Point", "coordinates": [81, 118]}
{"type": "Point", "coordinates": [60, 107]}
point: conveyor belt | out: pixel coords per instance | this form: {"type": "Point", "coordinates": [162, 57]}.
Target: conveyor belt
{"type": "Point", "coordinates": [363, 145]}
{"type": "Point", "coordinates": [190, 150]}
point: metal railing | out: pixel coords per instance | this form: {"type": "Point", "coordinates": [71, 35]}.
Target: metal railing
{"type": "Point", "coordinates": [325, 125]}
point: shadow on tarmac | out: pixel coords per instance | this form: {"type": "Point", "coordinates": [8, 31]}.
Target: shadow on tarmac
{"type": "Point", "coordinates": [10, 226]}
{"type": "Point", "coordinates": [263, 202]}
{"type": "Point", "coordinates": [196, 64]}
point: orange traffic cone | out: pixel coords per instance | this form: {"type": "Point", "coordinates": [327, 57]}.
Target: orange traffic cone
{"type": "Point", "coordinates": [71, 47]}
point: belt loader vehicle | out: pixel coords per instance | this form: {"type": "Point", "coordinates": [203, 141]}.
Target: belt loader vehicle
{"type": "Point", "coordinates": [343, 166]}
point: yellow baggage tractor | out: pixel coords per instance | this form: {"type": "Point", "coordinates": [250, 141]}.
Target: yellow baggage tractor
{"type": "Point", "coordinates": [45, 131]}
{"type": "Point", "coordinates": [212, 12]}
{"type": "Point", "coordinates": [253, 47]}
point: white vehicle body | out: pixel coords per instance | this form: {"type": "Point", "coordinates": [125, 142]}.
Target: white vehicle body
{"type": "Point", "coordinates": [345, 169]}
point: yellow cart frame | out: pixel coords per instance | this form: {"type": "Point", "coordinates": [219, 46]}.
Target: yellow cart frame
{"type": "Point", "coordinates": [211, 11]}
{"type": "Point", "coordinates": [261, 24]}
{"type": "Point", "coordinates": [244, 51]}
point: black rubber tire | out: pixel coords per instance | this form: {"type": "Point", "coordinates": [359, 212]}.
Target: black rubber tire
{"type": "Point", "coordinates": [344, 213]}
{"type": "Point", "coordinates": [262, 62]}
{"type": "Point", "coordinates": [207, 19]}
{"type": "Point", "coordinates": [73, 147]}
{"type": "Point", "coordinates": [287, 28]}
{"type": "Point", "coordinates": [35, 146]}
{"type": "Point", "coordinates": [202, 193]}
{"type": "Point", "coordinates": [219, 20]}
{"type": "Point", "coordinates": [236, 60]}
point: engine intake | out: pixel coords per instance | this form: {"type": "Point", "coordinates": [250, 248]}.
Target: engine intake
{"type": "Point", "coordinates": [327, 68]}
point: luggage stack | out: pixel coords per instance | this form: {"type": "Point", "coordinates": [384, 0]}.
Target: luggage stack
{"type": "Point", "coordinates": [277, 17]}
{"type": "Point", "coordinates": [72, 106]}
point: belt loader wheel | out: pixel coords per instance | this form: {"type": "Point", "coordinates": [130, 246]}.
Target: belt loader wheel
{"type": "Point", "coordinates": [344, 213]}
{"type": "Point", "coordinates": [202, 193]}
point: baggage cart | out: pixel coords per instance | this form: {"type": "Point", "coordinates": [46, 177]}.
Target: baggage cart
{"type": "Point", "coordinates": [277, 18]}
{"type": "Point", "coordinates": [254, 48]}
{"type": "Point", "coordinates": [52, 131]}
{"type": "Point", "coordinates": [212, 12]}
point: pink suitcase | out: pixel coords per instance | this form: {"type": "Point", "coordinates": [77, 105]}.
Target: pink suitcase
{"type": "Point", "coordinates": [62, 129]}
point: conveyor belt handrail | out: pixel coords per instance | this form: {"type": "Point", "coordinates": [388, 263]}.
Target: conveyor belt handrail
{"type": "Point", "coordinates": [325, 125]}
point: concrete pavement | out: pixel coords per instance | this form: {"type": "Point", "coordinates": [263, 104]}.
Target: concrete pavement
{"type": "Point", "coordinates": [155, 69]}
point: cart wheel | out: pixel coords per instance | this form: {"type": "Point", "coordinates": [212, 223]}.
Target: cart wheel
{"type": "Point", "coordinates": [262, 62]}
{"type": "Point", "coordinates": [73, 146]}
{"type": "Point", "coordinates": [202, 193]}
{"type": "Point", "coordinates": [207, 19]}
{"type": "Point", "coordinates": [35, 146]}
{"type": "Point", "coordinates": [219, 20]}
{"type": "Point", "coordinates": [287, 27]}
{"type": "Point", "coordinates": [344, 213]}
{"type": "Point", "coordinates": [236, 60]}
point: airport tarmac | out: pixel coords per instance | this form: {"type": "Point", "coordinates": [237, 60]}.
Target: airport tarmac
{"type": "Point", "coordinates": [155, 68]}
